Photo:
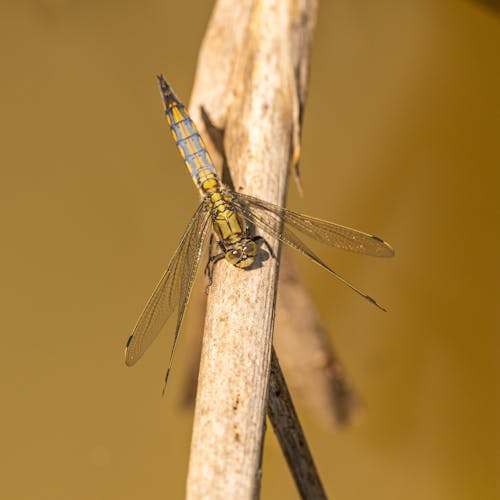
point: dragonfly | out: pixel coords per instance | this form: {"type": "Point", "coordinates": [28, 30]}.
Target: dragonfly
{"type": "Point", "coordinates": [232, 218]}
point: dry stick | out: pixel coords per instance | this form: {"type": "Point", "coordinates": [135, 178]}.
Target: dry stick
{"type": "Point", "coordinates": [291, 437]}
{"type": "Point", "coordinates": [267, 45]}
{"type": "Point", "coordinates": [261, 124]}
{"type": "Point", "coordinates": [306, 353]}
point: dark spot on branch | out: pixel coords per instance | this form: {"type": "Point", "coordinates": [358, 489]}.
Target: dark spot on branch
{"type": "Point", "coordinates": [236, 403]}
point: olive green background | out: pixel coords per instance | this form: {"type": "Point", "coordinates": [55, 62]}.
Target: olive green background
{"type": "Point", "coordinates": [401, 138]}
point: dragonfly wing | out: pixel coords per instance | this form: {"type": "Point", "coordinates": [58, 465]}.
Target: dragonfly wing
{"type": "Point", "coordinates": [326, 232]}
{"type": "Point", "coordinates": [172, 292]}
{"type": "Point", "coordinates": [269, 221]}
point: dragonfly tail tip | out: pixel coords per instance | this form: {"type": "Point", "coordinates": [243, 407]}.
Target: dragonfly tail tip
{"type": "Point", "coordinates": [164, 86]}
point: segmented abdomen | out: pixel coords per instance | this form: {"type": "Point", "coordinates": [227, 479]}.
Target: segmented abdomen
{"type": "Point", "coordinates": [188, 141]}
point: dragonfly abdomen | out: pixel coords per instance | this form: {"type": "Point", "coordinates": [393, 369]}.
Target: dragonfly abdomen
{"type": "Point", "coordinates": [188, 141]}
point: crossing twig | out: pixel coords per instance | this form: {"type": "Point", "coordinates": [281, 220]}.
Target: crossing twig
{"type": "Point", "coordinates": [291, 436]}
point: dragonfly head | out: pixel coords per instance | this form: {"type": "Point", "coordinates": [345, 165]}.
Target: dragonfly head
{"type": "Point", "coordinates": [242, 254]}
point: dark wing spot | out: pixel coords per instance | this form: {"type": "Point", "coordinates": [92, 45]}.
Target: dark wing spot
{"type": "Point", "coordinates": [376, 238]}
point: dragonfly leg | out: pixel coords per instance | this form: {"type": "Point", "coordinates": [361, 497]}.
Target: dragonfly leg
{"type": "Point", "coordinates": [209, 268]}
{"type": "Point", "coordinates": [212, 260]}
{"type": "Point", "coordinates": [261, 240]}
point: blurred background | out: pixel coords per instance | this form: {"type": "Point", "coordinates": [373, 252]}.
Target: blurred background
{"type": "Point", "coordinates": [400, 138]}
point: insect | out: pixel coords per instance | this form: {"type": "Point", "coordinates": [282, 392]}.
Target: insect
{"type": "Point", "coordinates": [231, 216]}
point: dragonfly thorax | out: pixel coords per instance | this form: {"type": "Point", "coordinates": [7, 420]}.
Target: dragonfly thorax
{"type": "Point", "coordinates": [242, 254]}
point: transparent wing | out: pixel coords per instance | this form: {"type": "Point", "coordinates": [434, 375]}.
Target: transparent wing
{"type": "Point", "coordinates": [326, 232]}
{"type": "Point", "coordinates": [172, 292]}
{"type": "Point", "coordinates": [257, 212]}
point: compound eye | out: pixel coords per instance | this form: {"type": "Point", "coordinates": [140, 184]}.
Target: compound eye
{"type": "Point", "coordinates": [233, 256]}
{"type": "Point", "coordinates": [250, 248]}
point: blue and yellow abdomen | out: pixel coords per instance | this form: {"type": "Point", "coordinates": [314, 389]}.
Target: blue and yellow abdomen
{"type": "Point", "coordinates": [188, 141]}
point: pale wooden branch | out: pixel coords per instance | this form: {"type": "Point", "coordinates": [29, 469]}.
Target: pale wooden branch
{"type": "Point", "coordinates": [291, 436]}
{"type": "Point", "coordinates": [327, 391]}
{"type": "Point", "coordinates": [260, 121]}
